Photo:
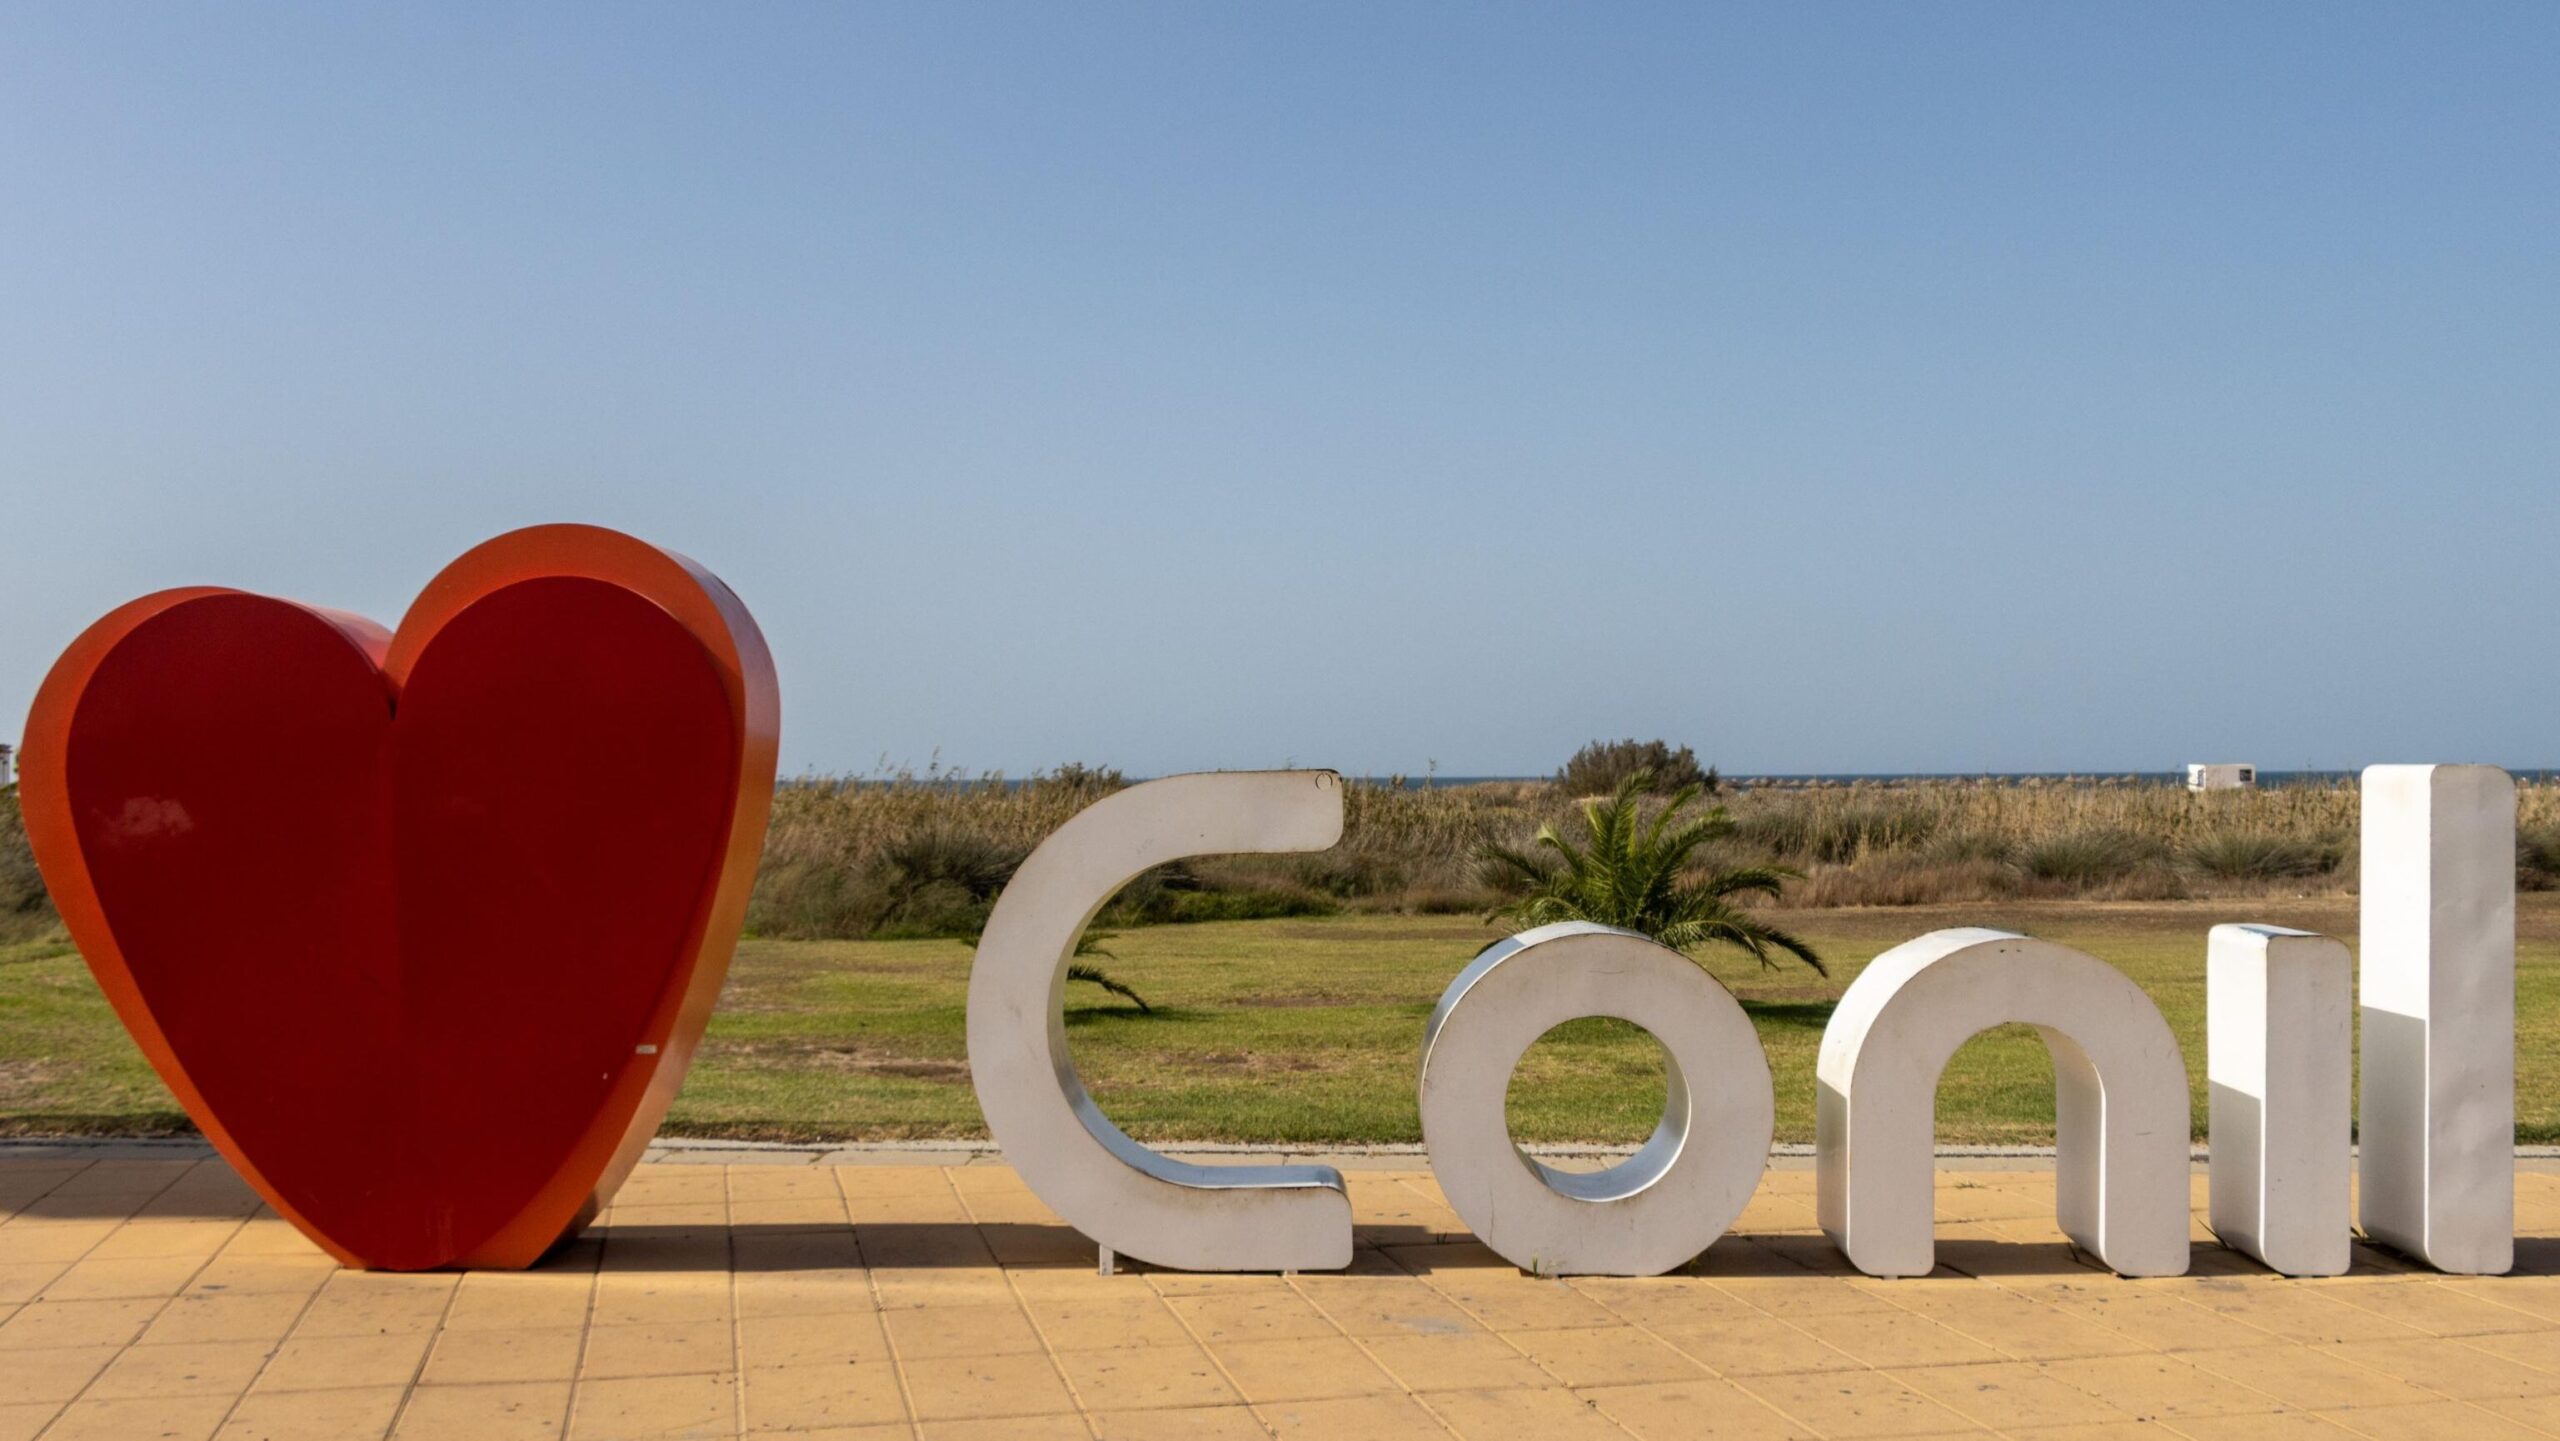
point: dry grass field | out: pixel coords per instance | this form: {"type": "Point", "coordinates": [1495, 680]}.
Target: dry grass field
{"type": "Point", "coordinates": [909, 856]}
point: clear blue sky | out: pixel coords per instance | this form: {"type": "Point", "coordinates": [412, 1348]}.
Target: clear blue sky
{"type": "Point", "coordinates": [1831, 388]}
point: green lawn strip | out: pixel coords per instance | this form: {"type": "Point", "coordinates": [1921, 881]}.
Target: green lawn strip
{"type": "Point", "coordinates": [1285, 1032]}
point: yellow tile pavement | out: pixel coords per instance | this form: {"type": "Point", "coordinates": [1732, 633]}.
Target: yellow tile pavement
{"type": "Point", "coordinates": [156, 1298]}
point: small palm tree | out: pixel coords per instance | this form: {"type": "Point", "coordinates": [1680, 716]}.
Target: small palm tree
{"type": "Point", "coordinates": [1635, 875]}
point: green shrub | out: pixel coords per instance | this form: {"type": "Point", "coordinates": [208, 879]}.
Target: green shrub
{"type": "Point", "coordinates": [2243, 856]}
{"type": "Point", "coordinates": [25, 907]}
{"type": "Point", "coordinates": [1258, 905]}
{"type": "Point", "coordinates": [2087, 857]}
{"type": "Point", "coordinates": [2538, 858]}
{"type": "Point", "coordinates": [947, 859]}
{"type": "Point", "coordinates": [1076, 779]}
{"type": "Point", "coordinates": [1601, 767]}
{"type": "Point", "coordinates": [1349, 875]}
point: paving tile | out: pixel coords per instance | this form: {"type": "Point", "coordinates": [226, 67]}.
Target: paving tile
{"type": "Point", "coordinates": [1008, 1428]}
{"type": "Point", "coordinates": [2436, 1309]}
{"type": "Point", "coordinates": [23, 1420]}
{"type": "Point", "coordinates": [517, 1411]}
{"type": "Point", "coordinates": [1591, 1356]}
{"type": "Point", "coordinates": [221, 1316]}
{"type": "Point", "coordinates": [2311, 1378]}
{"type": "Point", "coordinates": [158, 1418]}
{"type": "Point", "coordinates": [1099, 1324]}
{"type": "Point", "coordinates": [657, 1298]}
{"type": "Point", "coordinates": [1310, 1368]}
{"type": "Point", "coordinates": [617, 1408]}
{"type": "Point", "coordinates": [197, 1239]}
{"type": "Point", "coordinates": [976, 1387]}
{"type": "Point", "coordinates": [195, 1368]}
{"type": "Point", "coordinates": [2437, 1421]}
{"type": "Point", "coordinates": [2542, 1413]}
{"type": "Point", "coordinates": [1899, 1338]}
{"type": "Point", "coordinates": [815, 1292]}
{"type": "Point", "coordinates": [2159, 1387]}
{"type": "Point", "coordinates": [319, 1363]}
{"type": "Point", "coordinates": [1276, 1315]}
{"type": "Point", "coordinates": [925, 1333]}
{"type": "Point", "coordinates": [1771, 1348]}
{"type": "Point", "coordinates": [355, 1303]}
{"type": "Point", "coordinates": [1801, 1296]}
{"type": "Point", "coordinates": [2533, 1295]}
{"type": "Point", "coordinates": [95, 1279]}
{"type": "Point", "coordinates": [54, 1376]}
{"type": "Point", "coordinates": [60, 1242]}
{"type": "Point", "coordinates": [1692, 1410]}
{"type": "Point", "coordinates": [840, 1340]}
{"type": "Point", "coordinates": [537, 1353]}
{"type": "Point", "coordinates": [796, 1252]}
{"type": "Point", "coordinates": [2452, 1368]}
{"type": "Point", "coordinates": [25, 1280]}
{"type": "Point", "coordinates": [2277, 1426]}
{"type": "Point", "coordinates": [2538, 1349]}
{"type": "Point", "coordinates": [240, 1275]}
{"type": "Point", "coordinates": [269, 1235]}
{"type": "Point", "coordinates": [1143, 1377]}
{"type": "Point", "coordinates": [50, 1325]}
{"type": "Point", "coordinates": [518, 1301]}
{"type": "Point", "coordinates": [809, 1213]}
{"type": "Point", "coordinates": [2093, 1431]}
{"type": "Point", "coordinates": [1545, 1415]}
{"type": "Point", "coordinates": [2163, 1320]}
{"type": "Point", "coordinates": [1671, 1302]}
{"type": "Point", "coordinates": [2008, 1394]}
{"type": "Point", "coordinates": [1855, 1404]}
{"type": "Point", "coordinates": [1202, 1283]}
{"type": "Point", "coordinates": [973, 1285]}
{"type": "Point", "coordinates": [1464, 1361]}
{"type": "Point", "coordinates": [800, 1398]}
{"type": "Point", "coordinates": [1354, 1418]}
{"type": "Point", "coordinates": [671, 1349]}
{"type": "Point", "coordinates": [2020, 1329]}
{"type": "Point", "coordinates": [2295, 1312]}
{"type": "Point", "coordinates": [355, 1414]}
{"type": "Point", "coordinates": [1515, 1302]}
{"type": "Point", "coordinates": [1212, 1423]}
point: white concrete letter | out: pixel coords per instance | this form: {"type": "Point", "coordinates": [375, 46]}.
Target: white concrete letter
{"type": "Point", "coordinates": [2120, 1103]}
{"type": "Point", "coordinates": [1123, 1195]}
{"type": "Point", "coordinates": [1658, 1208]}
{"type": "Point", "coordinates": [2437, 1109]}
{"type": "Point", "coordinates": [2278, 1037]}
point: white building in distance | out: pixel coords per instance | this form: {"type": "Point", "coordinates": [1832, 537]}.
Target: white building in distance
{"type": "Point", "coordinates": [2221, 777]}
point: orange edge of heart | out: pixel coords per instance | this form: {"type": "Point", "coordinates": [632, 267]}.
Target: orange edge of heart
{"type": "Point", "coordinates": [613, 1142]}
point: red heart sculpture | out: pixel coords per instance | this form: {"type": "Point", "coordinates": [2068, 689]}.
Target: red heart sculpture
{"type": "Point", "coordinates": [422, 928]}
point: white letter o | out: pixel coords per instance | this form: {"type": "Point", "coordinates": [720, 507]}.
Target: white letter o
{"type": "Point", "coordinates": [1659, 1208]}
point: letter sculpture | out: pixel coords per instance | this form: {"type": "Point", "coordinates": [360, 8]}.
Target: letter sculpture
{"type": "Point", "coordinates": [421, 927]}
{"type": "Point", "coordinates": [2120, 1169]}
{"type": "Point", "coordinates": [2438, 1103]}
{"type": "Point", "coordinates": [1658, 1208]}
{"type": "Point", "coordinates": [2277, 1039]}
{"type": "Point", "coordinates": [1126, 1197]}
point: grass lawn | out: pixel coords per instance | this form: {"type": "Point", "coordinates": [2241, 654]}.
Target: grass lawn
{"type": "Point", "coordinates": [1297, 1031]}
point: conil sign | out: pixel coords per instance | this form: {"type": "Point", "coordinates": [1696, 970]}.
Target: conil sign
{"type": "Point", "coordinates": [385, 910]}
